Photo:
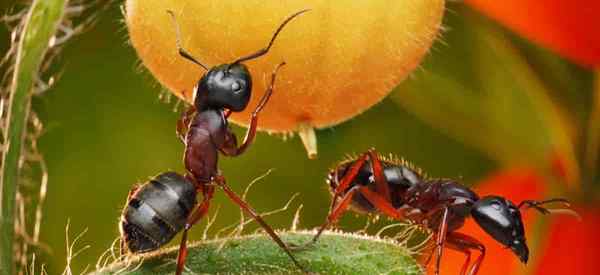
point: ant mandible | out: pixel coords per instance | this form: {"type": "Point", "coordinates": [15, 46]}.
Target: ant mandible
{"type": "Point", "coordinates": [158, 210]}
{"type": "Point", "coordinates": [373, 184]}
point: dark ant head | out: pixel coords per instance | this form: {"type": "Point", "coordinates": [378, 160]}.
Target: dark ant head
{"type": "Point", "coordinates": [501, 219]}
{"type": "Point", "coordinates": [224, 86]}
{"type": "Point", "coordinates": [228, 85]}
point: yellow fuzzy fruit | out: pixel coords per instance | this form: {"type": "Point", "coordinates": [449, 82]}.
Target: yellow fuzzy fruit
{"type": "Point", "coordinates": [342, 56]}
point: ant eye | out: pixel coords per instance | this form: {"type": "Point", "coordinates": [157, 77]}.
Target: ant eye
{"type": "Point", "coordinates": [235, 86]}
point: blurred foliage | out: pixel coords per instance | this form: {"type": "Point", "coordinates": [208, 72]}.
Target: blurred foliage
{"type": "Point", "coordinates": [496, 101]}
{"type": "Point", "coordinates": [33, 36]}
{"type": "Point", "coordinates": [106, 129]}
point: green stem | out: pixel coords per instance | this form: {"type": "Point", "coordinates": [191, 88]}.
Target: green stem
{"type": "Point", "coordinates": [593, 138]}
{"type": "Point", "coordinates": [335, 253]}
{"type": "Point", "coordinates": [40, 26]}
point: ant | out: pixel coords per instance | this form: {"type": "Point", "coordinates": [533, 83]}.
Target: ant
{"type": "Point", "coordinates": [374, 184]}
{"type": "Point", "coordinates": [159, 209]}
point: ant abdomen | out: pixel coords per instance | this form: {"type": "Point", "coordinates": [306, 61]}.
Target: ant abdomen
{"type": "Point", "coordinates": [156, 211]}
{"type": "Point", "coordinates": [399, 175]}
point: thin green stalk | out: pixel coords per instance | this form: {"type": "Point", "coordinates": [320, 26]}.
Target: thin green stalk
{"type": "Point", "coordinates": [39, 27]}
{"type": "Point", "coordinates": [593, 138]}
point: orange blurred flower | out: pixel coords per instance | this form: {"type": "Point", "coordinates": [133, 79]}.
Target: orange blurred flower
{"type": "Point", "coordinates": [569, 27]}
{"type": "Point", "coordinates": [571, 246]}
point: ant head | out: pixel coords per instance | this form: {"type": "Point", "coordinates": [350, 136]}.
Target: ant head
{"type": "Point", "coordinates": [501, 219]}
{"type": "Point", "coordinates": [224, 86]}
{"type": "Point", "coordinates": [228, 85]}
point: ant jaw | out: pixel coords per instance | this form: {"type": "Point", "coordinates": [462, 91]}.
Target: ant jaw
{"type": "Point", "coordinates": [519, 247]}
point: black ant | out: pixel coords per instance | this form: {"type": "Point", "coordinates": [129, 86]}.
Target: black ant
{"type": "Point", "coordinates": [158, 210]}
{"type": "Point", "coordinates": [373, 184]}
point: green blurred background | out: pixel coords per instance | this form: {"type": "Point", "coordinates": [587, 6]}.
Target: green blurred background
{"type": "Point", "coordinates": [106, 129]}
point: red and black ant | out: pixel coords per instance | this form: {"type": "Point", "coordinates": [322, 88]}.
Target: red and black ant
{"type": "Point", "coordinates": [158, 210]}
{"type": "Point", "coordinates": [373, 184]}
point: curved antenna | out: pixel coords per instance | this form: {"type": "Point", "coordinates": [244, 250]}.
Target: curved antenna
{"type": "Point", "coordinates": [537, 204]}
{"type": "Point", "coordinates": [185, 54]}
{"type": "Point", "coordinates": [263, 51]}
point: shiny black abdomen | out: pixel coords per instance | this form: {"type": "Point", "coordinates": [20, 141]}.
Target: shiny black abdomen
{"type": "Point", "coordinates": [398, 177]}
{"type": "Point", "coordinates": [156, 212]}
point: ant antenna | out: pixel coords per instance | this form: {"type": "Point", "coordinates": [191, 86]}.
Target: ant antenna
{"type": "Point", "coordinates": [263, 51]}
{"type": "Point", "coordinates": [537, 204]}
{"type": "Point", "coordinates": [180, 49]}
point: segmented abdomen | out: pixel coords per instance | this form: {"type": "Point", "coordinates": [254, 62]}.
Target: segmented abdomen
{"type": "Point", "coordinates": [399, 176]}
{"type": "Point", "coordinates": [157, 211]}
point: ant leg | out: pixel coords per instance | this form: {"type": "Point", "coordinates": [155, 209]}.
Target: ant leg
{"type": "Point", "coordinates": [350, 174]}
{"type": "Point", "coordinates": [183, 123]}
{"type": "Point", "coordinates": [230, 146]}
{"type": "Point", "coordinates": [462, 242]}
{"type": "Point", "coordinates": [374, 198]}
{"type": "Point", "coordinates": [454, 242]}
{"type": "Point", "coordinates": [335, 212]}
{"type": "Point", "coordinates": [382, 204]}
{"type": "Point", "coordinates": [325, 224]}
{"type": "Point", "coordinates": [441, 238]}
{"type": "Point", "coordinates": [220, 180]}
{"type": "Point", "coordinates": [429, 258]}
{"type": "Point", "coordinates": [380, 182]}
{"type": "Point", "coordinates": [467, 252]}
{"type": "Point", "coordinates": [339, 190]}
{"type": "Point", "coordinates": [200, 211]}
